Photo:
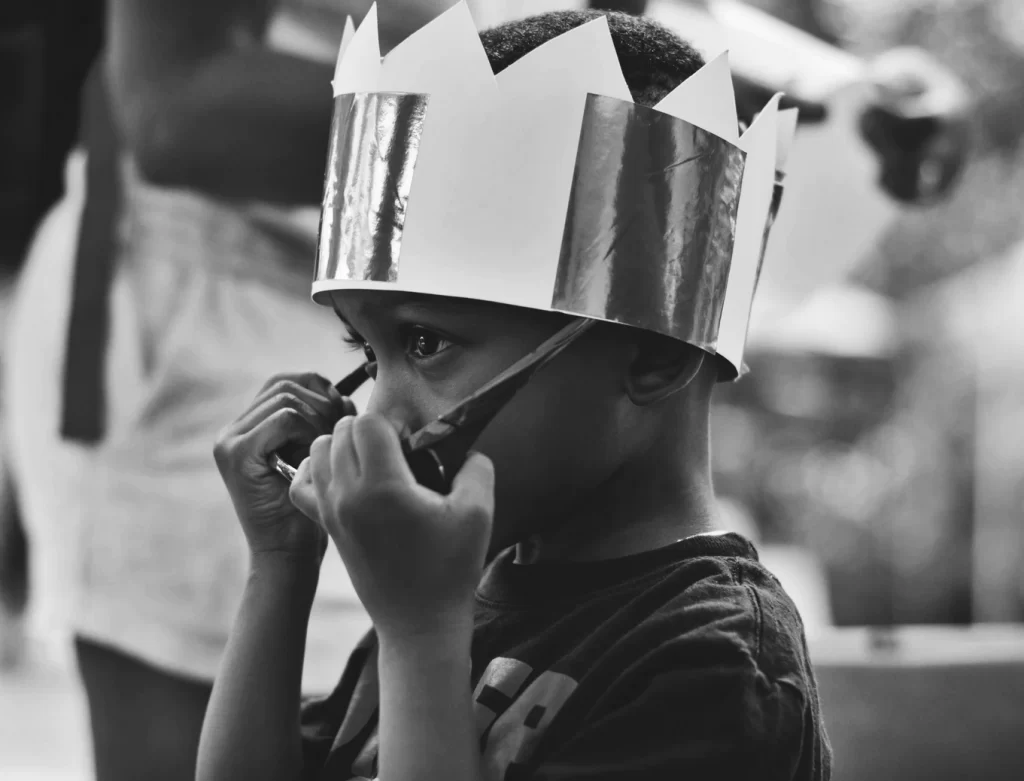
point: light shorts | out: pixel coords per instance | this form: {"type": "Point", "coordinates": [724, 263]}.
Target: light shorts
{"type": "Point", "coordinates": [134, 542]}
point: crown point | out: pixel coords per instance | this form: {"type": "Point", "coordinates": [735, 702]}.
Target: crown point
{"type": "Point", "coordinates": [346, 35]}
{"type": "Point", "coordinates": [346, 39]}
{"type": "Point", "coordinates": [443, 56]}
{"type": "Point", "coordinates": [584, 59]}
{"type": "Point", "coordinates": [768, 115]}
{"type": "Point", "coordinates": [358, 68]}
{"type": "Point", "coordinates": [707, 100]}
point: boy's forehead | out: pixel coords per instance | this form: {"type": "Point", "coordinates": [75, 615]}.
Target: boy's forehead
{"type": "Point", "coordinates": [371, 304]}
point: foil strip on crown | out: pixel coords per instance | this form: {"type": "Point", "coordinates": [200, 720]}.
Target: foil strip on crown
{"type": "Point", "coordinates": [375, 139]}
{"type": "Point", "coordinates": [649, 226]}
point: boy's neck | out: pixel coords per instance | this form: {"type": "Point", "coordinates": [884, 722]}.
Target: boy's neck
{"type": "Point", "coordinates": [642, 507]}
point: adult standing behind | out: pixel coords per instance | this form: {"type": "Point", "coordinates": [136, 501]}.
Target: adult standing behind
{"type": "Point", "coordinates": [186, 287]}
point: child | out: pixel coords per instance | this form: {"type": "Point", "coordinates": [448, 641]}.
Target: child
{"type": "Point", "coordinates": [613, 633]}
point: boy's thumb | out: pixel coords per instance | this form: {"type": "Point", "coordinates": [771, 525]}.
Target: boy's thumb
{"type": "Point", "coordinates": [473, 486]}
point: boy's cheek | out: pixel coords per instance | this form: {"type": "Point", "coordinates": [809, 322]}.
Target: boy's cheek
{"type": "Point", "coordinates": [522, 454]}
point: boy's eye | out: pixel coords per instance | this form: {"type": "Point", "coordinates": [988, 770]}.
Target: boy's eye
{"type": "Point", "coordinates": [422, 343]}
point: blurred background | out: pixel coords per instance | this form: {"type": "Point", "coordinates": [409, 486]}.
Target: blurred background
{"type": "Point", "coordinates": [874, 451]}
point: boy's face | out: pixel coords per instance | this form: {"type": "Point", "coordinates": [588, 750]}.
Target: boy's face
{"type": "Point", "coordinates": [553, 444]}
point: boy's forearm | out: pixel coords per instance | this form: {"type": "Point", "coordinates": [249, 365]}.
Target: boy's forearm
{"type": "Point", "coordinates": [251, 729]}
{"type": "Point", "coordinates": [426, 708]}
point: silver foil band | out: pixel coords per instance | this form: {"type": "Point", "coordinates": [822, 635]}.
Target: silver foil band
{"type": "Point", "coordinates": [649, 230]}
{"type": "Point", "coordinates": [649, 224]}
{"type": "Point", "coordinates": [374, 143]}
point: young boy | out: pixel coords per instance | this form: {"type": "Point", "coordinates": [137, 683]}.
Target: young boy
{"type": "Point", "coordinates": [568, 611]}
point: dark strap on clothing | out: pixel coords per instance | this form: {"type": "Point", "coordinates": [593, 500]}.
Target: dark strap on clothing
{"type": "Point", "coordinates": [84, 400]}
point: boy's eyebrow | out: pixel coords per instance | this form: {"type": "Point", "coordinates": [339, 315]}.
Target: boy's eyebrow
{"type": "Point", "coordinates": [396, 301]}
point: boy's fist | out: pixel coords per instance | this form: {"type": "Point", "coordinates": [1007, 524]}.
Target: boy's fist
{"type": "Point", "coordinates": [290, 410]}
{"type": "Point", "coordinates": [414, 556]}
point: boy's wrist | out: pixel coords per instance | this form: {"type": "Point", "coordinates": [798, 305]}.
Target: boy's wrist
{"type": "Point", "coordinates": [427, 729]}
{"type": "Point", "coordinates": [439, 636]}
{"type": "Point", "coordinates": [287, 570]}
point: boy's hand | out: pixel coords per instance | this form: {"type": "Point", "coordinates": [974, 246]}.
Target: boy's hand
{"type": "Point", "coordinates": [414, 556]}
{"type": "Point", "coordinates": [291, 409]}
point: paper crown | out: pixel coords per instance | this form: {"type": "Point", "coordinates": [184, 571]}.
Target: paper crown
{"type": "Point", "coordinates": [545, 186]}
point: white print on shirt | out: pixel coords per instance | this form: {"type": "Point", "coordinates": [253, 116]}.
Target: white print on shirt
{"type": "Point", "coordinates": [517, 718]}
{"type": "Point", "coordinates": [522, 722]}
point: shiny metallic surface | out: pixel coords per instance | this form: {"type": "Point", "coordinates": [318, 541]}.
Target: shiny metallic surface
{"type": "Point", "coordinates": [649, 226]}
{"type": "Point", "coordinates": [649, 230]}
{"type": "Point", "coordinates": [373, 148]}
{"type": "Point", "coordinates": [286, 471]}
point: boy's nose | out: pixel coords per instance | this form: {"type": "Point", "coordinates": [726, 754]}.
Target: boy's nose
{"type": "Point", "coordinates": [390, 403]}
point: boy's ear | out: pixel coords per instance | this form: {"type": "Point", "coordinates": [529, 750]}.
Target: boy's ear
{"type": "Point", "coordinates": [661, 366]}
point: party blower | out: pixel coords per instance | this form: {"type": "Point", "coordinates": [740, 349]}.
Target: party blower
{"type": "Point", "coordinates": [652, 217]}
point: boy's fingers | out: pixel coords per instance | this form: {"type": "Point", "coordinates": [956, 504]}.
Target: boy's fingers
{"type": "Point", "coordinates": [316, 400]}
{"type": "Point", "coordinates": [326, 388]}
{"type": "Point", "coordinates": [299, 399]}
{"type": "Point", "coordinates": [282, 427]}
{"type": "Point", "coordinates": [378, 448]}
{"type": "Point", "coordinates": [320, 470]}
{"type": "Point", "coordinates": [342, 402]}
{"type": "Point", "coordinates": [344, 460]}
{"type": "Point", "coordinates": [473, 486]}
{"type": "Point", "coordinates": [310, 380]}
{"type": "Point", "coordinates": [303, 495]}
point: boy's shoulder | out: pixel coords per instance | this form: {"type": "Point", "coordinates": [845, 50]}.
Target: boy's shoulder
{"type": "Point", "coordinates": [694, 651]}
{"type": "Point", "coordinates": [686, 660]}
{"type": "Point", "coordinates": [708, 590]}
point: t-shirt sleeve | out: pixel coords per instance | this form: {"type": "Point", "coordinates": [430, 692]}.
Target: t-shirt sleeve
{"type": "Point", "coordinates": [690, 711]}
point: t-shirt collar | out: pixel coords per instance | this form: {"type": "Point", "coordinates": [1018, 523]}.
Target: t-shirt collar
{"type": "Point", "coordinates": [554, 581]}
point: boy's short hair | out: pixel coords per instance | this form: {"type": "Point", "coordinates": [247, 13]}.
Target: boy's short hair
{"type": "Point", "coordinates": [654, 60]}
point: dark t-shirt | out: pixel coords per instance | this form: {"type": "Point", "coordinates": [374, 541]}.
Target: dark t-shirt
{"type": "Point", "coordinates": [686, 662]}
